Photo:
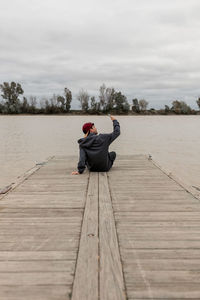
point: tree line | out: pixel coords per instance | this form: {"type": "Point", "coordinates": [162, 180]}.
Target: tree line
{"type": "Point", "coordinates": [109, 101]}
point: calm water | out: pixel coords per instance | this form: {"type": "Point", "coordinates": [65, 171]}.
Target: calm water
{"type": "Point", "coordinates": [173, 141]}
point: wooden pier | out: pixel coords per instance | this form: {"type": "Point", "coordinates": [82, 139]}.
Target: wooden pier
{"type": "Point", "coordinates": [132, 233]}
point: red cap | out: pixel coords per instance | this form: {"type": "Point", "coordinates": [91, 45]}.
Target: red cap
{"type": "Point", "coordinates": [87, 126]}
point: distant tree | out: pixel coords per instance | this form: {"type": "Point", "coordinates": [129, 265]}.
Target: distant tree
{"type": "Point", "coordinates": [198, 102]}
{"type": "Point", "coordinates": [121, 104]}
{"type": "Point", "coordinates": [1, 108]}
{"type": "Point", "coordinates": [68, 97]}
{"type": "Point", "coordinates": [47, 106]}
{"type": "Point", "coordinates": [94, 105]}
{"type": "Point", "coordinates": [135, 106]}
{"type": "Point", "coordinates": [110, 99]}
{"type": "Point", "coordinates": [84, 97]}
{"type": "Point", "coordinates": [143, 104]}
{"type": "Point", "coordinates": [161, 111]}
{"type": "Point", "coordinates": [180, 107]}
{"type": "Point", "coordinates": [102, 96]}
{"type": "Point", "coordinates": [25, 108]}
{"type": "Point", "coordinates": [61, 102]}
{"type": "Point", "coordinates": [167, 109]}
{"type": "Point", "coordinates": [51, 105]}
{"type": "Point", "coordinates": [176, 107]}
{"type": "Point", "coordinates": [54, 107]}
{"type": "Point", "coordinates": [106, 98]}
{"type": "Point", "coordinates": [185, 108]}
{"type": "Point", "coordinates": [32, 104]}
{"type": "Point", "coordinates": [10, 94]}
{"type": "Point", "coordinates": [42, 104]}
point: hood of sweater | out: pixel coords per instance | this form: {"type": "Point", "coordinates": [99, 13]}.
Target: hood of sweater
{"type": "Point", "coordinates": [88, 141]}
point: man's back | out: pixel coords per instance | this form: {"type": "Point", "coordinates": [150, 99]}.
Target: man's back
{"type": "Point", "coordinates": [94, 150]}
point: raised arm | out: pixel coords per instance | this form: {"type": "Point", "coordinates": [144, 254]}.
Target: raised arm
{"type": "Point", "coordinates": [116, 130]}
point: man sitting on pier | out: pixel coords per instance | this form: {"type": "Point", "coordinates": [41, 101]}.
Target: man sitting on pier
{"type": "Point", "coordinates": [94, 148]}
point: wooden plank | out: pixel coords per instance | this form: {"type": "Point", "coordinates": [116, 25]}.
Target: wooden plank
{"type": "Point", "coordinates": [158, 216]}
{"type": "Point", "coordinates": [176, 229]}
{"type": "Point", "coordinates": [86, 276]}
{"type": "Point", "coordinates": [177, 290]}
{"type": "Point", "coordinates": [158, 244]}
{"type": "Point", "coordinates": [162, 224]}
{"type": "Point", "coordinates": [152, 206]}
{"type": "Point", "coordinates": [45, 243]}
{"type": "Point", "coordinates": [162, 235]}
{"type": "Point", "coordinates": [157, 265]}
{"type": "Point", "coordinates": [35, 292]}
{"type": "Point", "coordinates": [6, 256]}
{"type": "Point", "coordinates": [70, 214]}
{"type": "Point", "coordinates": [35, 278]}
{"type": "Point", "coordinates": [35, 220]}
{"type": "Point", "coordinates": [40, 233]}
{"type": "Point", "coordinates": [22, 178]}
{"type": "Point", "coordinates": [147, 194]}
{"type": "Point", "coordinates": [159, 276]}
{"type": "Point", "coordinates": [37, 266]}
{"type": "Point", "coordinates": [173, 254]}
{"type": "Point", "coordinates": [158, 226]}
{"type": "Point", "coordinates": [111, 276]}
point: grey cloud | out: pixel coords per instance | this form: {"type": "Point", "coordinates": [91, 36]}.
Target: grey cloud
{"type": "Point", "coordinates": [144, 48]}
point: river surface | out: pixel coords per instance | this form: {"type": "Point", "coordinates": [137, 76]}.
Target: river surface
{"type": "Point", "coordinates": [173, 142]}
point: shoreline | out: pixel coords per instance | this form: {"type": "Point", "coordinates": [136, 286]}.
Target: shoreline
{"type": "Point", "coordinates": [102, 115]}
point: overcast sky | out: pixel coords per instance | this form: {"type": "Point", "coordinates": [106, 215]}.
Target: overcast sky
{"type": "Point", "coordinates": [147, 49]}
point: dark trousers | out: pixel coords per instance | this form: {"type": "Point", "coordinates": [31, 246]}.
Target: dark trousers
{"type": "Point", "coordinates": [112, 156]}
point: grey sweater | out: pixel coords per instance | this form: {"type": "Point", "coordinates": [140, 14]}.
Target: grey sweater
{"type": "Point", "coordinates": [94, 150]}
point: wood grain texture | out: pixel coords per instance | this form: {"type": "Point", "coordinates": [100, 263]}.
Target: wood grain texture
{"type": "Point", "coordinates": [158, 227]}
{"type": "Point", "coordinates": [111, 275]}
{"type": "Point", "coordinates": [85, 285]}
{"type": "Point", "coordinates": [131, 233]}
{"type": "Point", "coordinates": [40, 222]}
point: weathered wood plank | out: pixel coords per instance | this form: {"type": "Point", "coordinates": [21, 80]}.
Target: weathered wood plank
{"type": "Point", "coordinates": [173, 254]}
{"type": "Point", "coordinates": [37, 266]}
{"type": "Point", "coordinates": [35, 278]}
{"type": "Point", "coordinates": [132, 266]}
{"type": "Point", "coordinates": [161, 235]}
{"type": "Point", "coordinates": [35, 220]}
{"type": "Point", "coordinates": [40, 233]}
{"type": "Point", "coordinates": [158, 244]}
{"type": "Point", "coordinates": [70, 214]}
{"type": "Point", "coordinates": [35, 292]}
{"type": "Point", "coordinates": [111, 276]}
{"type": "Point", "coordinates": [177, 290]}
{"type": "Point", "coordinates": [153, 207]}
{"type": "Point", "coordinates": [157, 223]}
{"type": "Point", "coordinates": [86, 277]}
{"type": "Point", "coordinates": [158, 226]}
{"type": "Point", "coordinates": [12, 255]}
{"type": "Point", "coordinates": [158, 216]}
{"type": "Point", "coordinates": [159, 276]}
{"type": "Point", "coordinates": [28, 243]}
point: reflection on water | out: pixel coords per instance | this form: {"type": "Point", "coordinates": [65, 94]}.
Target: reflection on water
{"type": "Point", "coordinates": [173, 141]}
